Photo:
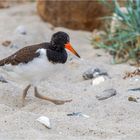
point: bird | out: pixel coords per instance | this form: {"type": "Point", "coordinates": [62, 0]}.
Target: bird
{"type": "Point", "coordinates": [35, 60]}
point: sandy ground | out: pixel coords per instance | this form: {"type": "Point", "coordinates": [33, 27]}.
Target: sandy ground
{"type": "Point", "coordinates": [115, 118]}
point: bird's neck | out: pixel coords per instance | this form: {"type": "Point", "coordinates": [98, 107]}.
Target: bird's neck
{"type": "Point", "coordinates": [57, 56]}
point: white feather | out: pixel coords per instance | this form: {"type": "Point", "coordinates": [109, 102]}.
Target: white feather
{"type": "Point", "coordinates": [34, 71]}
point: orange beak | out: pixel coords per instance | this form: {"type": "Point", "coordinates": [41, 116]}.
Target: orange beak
{"type": "Point", "coordinates": [69, 47]}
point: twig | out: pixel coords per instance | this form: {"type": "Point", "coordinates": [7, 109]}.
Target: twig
{"type": "Point", "coordinates": [132, 74]}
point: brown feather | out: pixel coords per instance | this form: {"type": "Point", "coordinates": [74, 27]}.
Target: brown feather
{"type": "Point", "coordinates": [24, 55]}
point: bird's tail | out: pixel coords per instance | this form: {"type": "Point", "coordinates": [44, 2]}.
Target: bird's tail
{"type": "Point", "coordinates": [4, 61]}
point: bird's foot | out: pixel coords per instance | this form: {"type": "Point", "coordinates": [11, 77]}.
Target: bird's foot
{"type": "Point", "coordinates": [25, 91]}
{"type": "Point", "coordinates": [60, 102]}
{"type": "Point", "coordinates": [23, 103]}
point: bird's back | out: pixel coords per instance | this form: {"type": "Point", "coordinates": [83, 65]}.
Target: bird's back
{"type": "Point", "coordinates": [24, 55]}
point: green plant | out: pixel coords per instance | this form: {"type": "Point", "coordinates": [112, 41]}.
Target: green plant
{"type": "Point", "coordinates": [124, 41]}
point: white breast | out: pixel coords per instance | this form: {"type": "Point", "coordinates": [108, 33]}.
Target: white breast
{"type": "Point", "coordinates": [37, 69]}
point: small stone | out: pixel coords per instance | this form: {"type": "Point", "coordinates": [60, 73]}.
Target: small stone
{"type": "Point", "coordinates": [93, 73]}
{"type": "Point", "coordinates": [2, 79]}
{"type": "Point", "coordinates": [106, 94]}
{"type": "Point", "coordinates": [60, 133]}
{"type": "Point", "coordinates": [87, 75]}
{"type": "Point", "coordinates": [21, 29]}
{"type": "Point", "coordinates": [6, 43]}
{"type": "Point", "coordinates": [85, 89]}
{"type": "Point", "coordinates": [98, 55]}
{"type": "Point", "coordinates": [14, 46]}
{"type": "Point", "coordinates": [132, 99]}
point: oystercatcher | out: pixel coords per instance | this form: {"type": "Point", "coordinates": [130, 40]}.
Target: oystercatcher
{"type": "Point", "coordinates": [33, 62]}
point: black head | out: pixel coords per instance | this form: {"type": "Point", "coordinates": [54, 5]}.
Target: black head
{"type": "Point", "coordinates": [56, 52]}
{"type": "Point", "coordinates": [59, 40]}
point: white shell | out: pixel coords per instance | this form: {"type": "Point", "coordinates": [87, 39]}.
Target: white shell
{"type": "Point", "coordinates": [84, 115]}
{"type": "Point", "coordinates": [21, 29]}
{"type": "Point", "coordinates": [45, 121]}
{"type": "Point", "coordinates": [98, 80]}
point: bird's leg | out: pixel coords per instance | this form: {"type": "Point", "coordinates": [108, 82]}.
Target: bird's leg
{"type": "Point", "coordinates": [25, 91]}
{"type": "Point", "coordinates": [57, 102]}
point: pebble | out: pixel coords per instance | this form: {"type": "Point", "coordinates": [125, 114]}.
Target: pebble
{"type": "Point", "coordinates": [21, 29]}
{"type": "Point", "coordinates": [93, 73]}
{"type": "Point", "coordinates": [106, 94]}
{"type": "Point", "coordinates": [2, 79]}
{"type": "Point", "coordinates": [6, 43]}
{"type": "Point", "coordinates": [14, 46]}
{"type": "Point", "coordinates": [132, 99]}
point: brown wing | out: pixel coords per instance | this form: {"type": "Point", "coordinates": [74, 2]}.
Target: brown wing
{"type": "Point", "coordinates": [24, 55]}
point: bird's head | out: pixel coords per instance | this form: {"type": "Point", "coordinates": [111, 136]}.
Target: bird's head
{"type": "Point", "coordinates": [61, 41]}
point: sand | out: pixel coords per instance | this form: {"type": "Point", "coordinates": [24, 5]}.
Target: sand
{"type": "Point", "coordinates": [115, 118]}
